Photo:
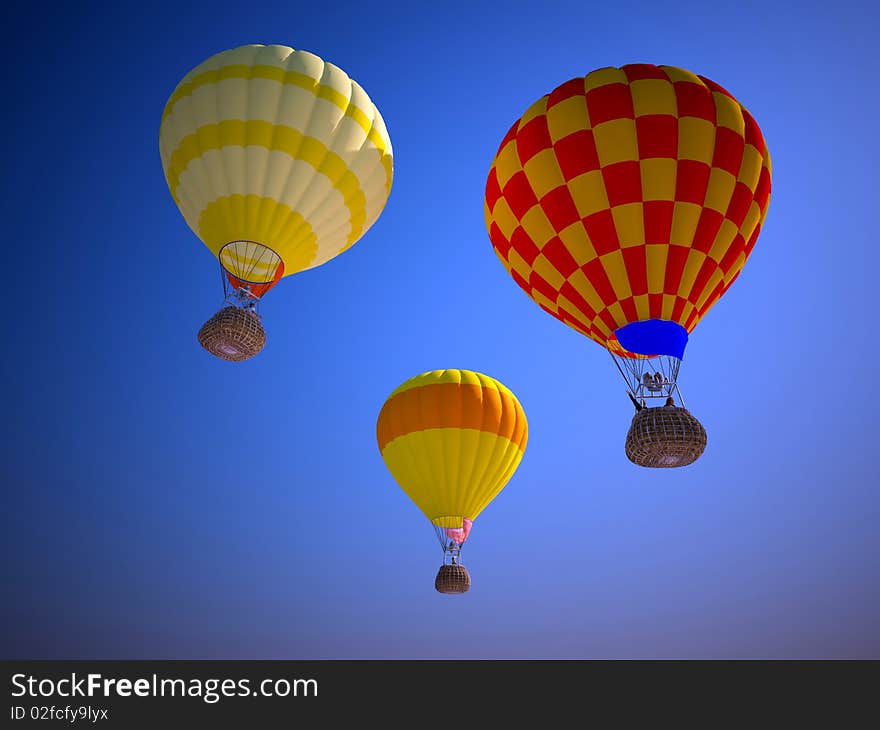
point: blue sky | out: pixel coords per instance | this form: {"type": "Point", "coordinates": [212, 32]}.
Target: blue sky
{"type": "Point", "coordinates": [163, 504]}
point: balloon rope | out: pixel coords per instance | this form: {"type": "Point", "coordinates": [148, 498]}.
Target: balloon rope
{"type": "Point", "coordinates": [224, 281]}
{"type": "Point", "coordinates": [620, 370]}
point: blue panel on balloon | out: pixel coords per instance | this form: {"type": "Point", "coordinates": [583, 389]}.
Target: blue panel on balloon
{"type": "Point", "coordinates": [654, 337]}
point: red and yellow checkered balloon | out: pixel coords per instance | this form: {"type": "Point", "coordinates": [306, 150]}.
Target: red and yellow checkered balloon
{"type": "Point", "coordinates": [630, 195]}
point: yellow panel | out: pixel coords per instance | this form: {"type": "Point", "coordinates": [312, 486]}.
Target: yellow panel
{"type": "Point", "coordinates": [729, 113]}
{"type": "Point", "coordinates": [723, 240]}
{"type": "Point", "coordinates": [750, 221]}
{"type": "Point", "coordinates": [696, 139]}
{"type": "Point", "coordinates": [539, 229]}
{"type": "Point", "coordinates": [504, 218]}
{"type": "Point", "coordinates": [656, 264]}
{"type": "Point", "coordinates": [588, 193]}
{"type": "Point", "coordinates": [272, 73]}
{"type": "Point", "coordinates": [680, 74]}
{"type": "Point", "coordinates": [507, 163]}
{"type": "Point", "coordinates": [643, 309]}
{"type": "Point", "coordinates": [630, 224]}
{"type": "Point", "coordinates": [567, 117]}
{"type": "Point", "coordinates": [764, 213]}
{"type": "Point", "coordinates": [263, 220]}
{"type": "Point", "coordinates": [720, 190]}
{"type": "Point", "coordinates": [455, 522]}
{"type": "Point", "coordinates": [685, 313]}
{"type": "Point", "coordinates": [691, 269]}
{"type": "Point", "coordinates": [615, 268]}
{"type": "Point", "coordinates": [458, 376]}
{"type": "Point", "coordinates": [603, 76]}
{"type": "Point", "coordinates": [735, 269]}
{"type": "Point", "coordinates": [616, 141]}
{"type": "Point", "coordinates": [616, 312]}
{"type": "Point", "coordinates": [544, 173]}
{"type": "Point", "coordinates": [548, 272]}
{"type": "Point", "coordinates": [653, 96]}
{"type": "Point", "coordinates": [602, 327]}
{"type": "Point", "coordinates": [440, 486]}
{"type": "Point", "coordinates": [518, 264]}
{"type": "Point", "coordinates": [232, 133]}
{"type": "Point", "coordinates": [667, 306]}
{"type": "Point", "coordinates": [658, 178]}
{"type": "Point", "coordinates": [544, 301]}
{"type": "Point", "coordinates": [750, 169]}
{"type": "Point", "coordinates": [685, 217]}
{"type": "Point", "coordinates": [537, 109]}
{"type": "Point", "coordinates": [714, 280]}
{"type": "Point", "coordinates": [573, 312]}
{"type": "Point", "coordinates": [583, 287]}
{"type": "Point", "coordinates": [578, 243]}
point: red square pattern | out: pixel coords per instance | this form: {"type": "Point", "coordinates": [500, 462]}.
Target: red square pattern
{"type": "Point", "coordinates": [657, 135]}
{"type": "Point", "coordinates": [658, 220]}
{"type": "Point", "coordinates": [523, 245]}
{"type": "Point", "coordinates": [691, 181]}
{"type": "Point", "coordinates": [532, 138]}
{"type": "Point", "coordinates": [600, 228]}
{"type": "Point", "coordinates": [728, 152]}
{"type": "Point", "coordinates": [694, 100]}
{"type": "Point", "coordinates": [570, 293]}
{"type": "Point", "coordinates": [740, 202]}
{"type": "Point", "coordinates": [637, 270]}
{"type": "Point", "coordinates": [638, 71]}
{"type": "Point", "coordinates": [611, 101]}
{"type": "Point", "coordinates": [519, 194]}
{"type": "Point", "coordinates": [707, 228]}
{"type": "Point", "coordinates": [595, 273]}
{"type": "Point", "coordinates": [577, 154]}
{"type": "Point", "coordinates": [557, 254]}
{"type": "Point", "coordinates": [623, 183]}
{"type": "Point", "coordinates": [501, 244]}
{"type": "Point", "coordinates": [574, 87]}
{"type": "Point", "coordinates": [540, 285]}
{"type": "Point", "coordinates": [560, 208]}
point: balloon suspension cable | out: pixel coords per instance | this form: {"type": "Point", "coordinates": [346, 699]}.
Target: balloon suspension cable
{"type": "Point", "coordinates": [650, 378]}
{"type": "Point", "coordinates": [451, 547]}
{"type": "Point", "coordinates": [238, 296]}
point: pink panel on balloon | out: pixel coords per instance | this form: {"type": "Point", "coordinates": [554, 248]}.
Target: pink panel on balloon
{"type": "Point", "coordinates": [459, 534]}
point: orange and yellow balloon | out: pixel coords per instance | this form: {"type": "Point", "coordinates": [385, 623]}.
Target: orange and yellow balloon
{"type": "Point", "coordinates": [452, 439]}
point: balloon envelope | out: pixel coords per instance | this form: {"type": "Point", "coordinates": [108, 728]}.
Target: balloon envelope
{"type": "Point", "coordinates": [277, 160]}
{"type": "Point", "coordinates": [452, 439]}
{"type": "Point", "coordinates": [625, 203]}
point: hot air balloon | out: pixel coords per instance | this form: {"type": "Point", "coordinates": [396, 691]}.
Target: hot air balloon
{"type": "Point", "coordinates": [625, 203]}
{"type": "Point", "coordinates": [452, 439]}
{"type": "Point", "coordinates": [278, 162]}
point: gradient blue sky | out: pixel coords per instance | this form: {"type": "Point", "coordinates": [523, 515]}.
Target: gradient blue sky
{"type": "Point", "coordinates": [164, 504]}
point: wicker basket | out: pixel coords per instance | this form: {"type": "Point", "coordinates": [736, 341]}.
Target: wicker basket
{"type": "Point", "coordinates": [667, 436]}
{"type": "Point", "coordinates": [233, 334]}
{"type": "Point", "coordinates": [452, 579]}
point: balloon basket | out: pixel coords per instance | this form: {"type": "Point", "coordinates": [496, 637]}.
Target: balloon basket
{"type": "Point", "coordinates": [233, 334]}
{"type": "Point", "coordinates": [665, 437]}
{"type": "Point", "coordinates": [452, 579]}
